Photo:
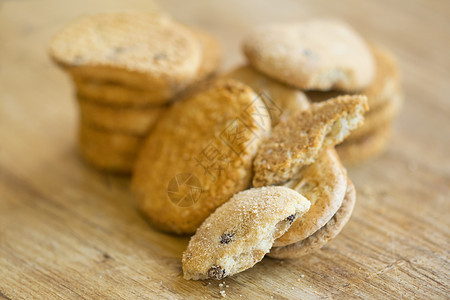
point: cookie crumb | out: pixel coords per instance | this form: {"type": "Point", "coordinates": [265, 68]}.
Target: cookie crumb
{"type": "Point", "coordinates": [223, 293]}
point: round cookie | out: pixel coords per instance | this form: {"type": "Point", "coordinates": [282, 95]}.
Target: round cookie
{"type": "Point", "coordinates": [378, 117]}
{"type": "Point", "coordinates": [113, 93]}
{"type": "Point", "coordinates": [318, 55]}
{"type": "Point", "coordinates": [143, 50]}
{"type": "Point", "coordinates": [128, 120]}
{"type": "Point", "coordinates": [325, 234]}
{"type": "Point", "coordinates": [203, 148]}
{"type": "Point", "coordinates": [323, 183]}
{"type": "Point", "coordinates": [108, 151]}
{"type": "Point", "coordinates": [384, 87]}
{"type": "Point", "coordinates": [280, 99]}
{"type": "Point", "coordinates": [372, 144]}
{"type": "Point", "coordinates": [240, 232]}
{"type": "Point", "coordinates": [211, 53]}
{"type": "Point", "coordinates": [298, 140]}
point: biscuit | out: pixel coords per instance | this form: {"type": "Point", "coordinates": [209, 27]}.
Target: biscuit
{"type": "Point", "coordinates": [108, 151]}
{"type": "Point", "coordinates": [240, 232]}
{"type": "Point", "coordinates": [281, 99]}
{"type": "Point", "coordinates": [211, 53]}
{"type": "Point", "coordinates": [323, 183]}
{"type": "Point", "coordinates": [386, 83]}
{"type": "Point", "coordinates": [128, 120]}
{"type": "Point", "coordinates": [208, 139]}
{"type": "Point", "coordinates": [298, 140]}
{"type": "Point", "coordinates": [114, 93]}
{"type": "Point", "coordinates": [144, 50]}
{"type": "Point", "coordinates": [372, 144]}
{"type": "Point", "coordinates": [117, 94]}
{"type": "Point", "coordinates": [378, 117]}
{"type": "Point", "coordinates": [325, 234]}
{"type": "Point", "coordinates": [318, 55]}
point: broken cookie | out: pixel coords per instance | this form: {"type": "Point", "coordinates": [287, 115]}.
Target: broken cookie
{"type": "Point", "coordinates": [241, 231]}
{"type": "Point", "coordinates": [297, 141]}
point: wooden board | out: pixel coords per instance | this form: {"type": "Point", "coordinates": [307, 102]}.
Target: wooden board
{"type": "Point", "coordinates": [68, 231]}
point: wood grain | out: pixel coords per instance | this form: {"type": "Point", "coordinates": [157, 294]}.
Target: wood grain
{"type": "Point", "coordinates": [68, 231]}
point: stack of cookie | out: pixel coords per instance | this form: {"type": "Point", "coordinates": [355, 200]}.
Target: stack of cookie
{"type": "Point", "coordinates": [127, 69]}
{"type": "Point", "coordinates": [302, 198]}
{"type": "Point", "coordinates": [325, 59]}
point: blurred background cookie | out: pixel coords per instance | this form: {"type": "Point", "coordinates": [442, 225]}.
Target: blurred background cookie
{"type": "Point", "coordinates": [313, 55]}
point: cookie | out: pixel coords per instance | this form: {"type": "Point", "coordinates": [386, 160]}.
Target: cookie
{"type": "Point", "coordinates": [143, 50]}
{"type": "Point", "coordinates": [298, 140]}
{"type": "Point", "coordinates": [386, 83]}
{"type": "Point", "coordinates": [211, 53]}
{"type": "Point", "coordinates": [281, 99]}
{"type": "Point", "coordinates": [325, 234]}
{"type": "Point", "coordinates": [323, 183]}
{"type": "Point", "coordinates": [127, 120]}
{"type": "Point", "coordinates": [119, 95]}
{"type": "Point", "coordinates": [241, 231]}
{"type": "Point", "coordinates": [108, 151]}
{"type": "Point", "coordinates": [378, 117]}
{"type": "Point", "coordinates": [200, 152]}
{"type": "Point", "coordinates": [372, 144]}
{"type": "Point", "coordinates": [313, 55]}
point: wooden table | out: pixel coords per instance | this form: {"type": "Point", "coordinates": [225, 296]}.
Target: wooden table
{"type": "Point", "coordinates": [68, 231]}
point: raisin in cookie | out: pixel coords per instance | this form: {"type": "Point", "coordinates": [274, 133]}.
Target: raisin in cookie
{"type": "Point", "coordinates": [281, 99]}
{"type": "Point", "coordinates": [209, 138]}
{"type": "Point", "coordinates": [298, 140]}
{"type": "Point", "coordinates": [318, 55]}
{"type": "Point", "coordinates": [323, 183]}
{"type": "Point", "coordinates": [322, 236]}
{"type": "Point", "coordinates": [240, 232]}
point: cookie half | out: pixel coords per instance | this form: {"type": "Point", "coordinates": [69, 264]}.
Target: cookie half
{"type": "Point", "coordinates": [323, 183]}
{"type": "Point", "coordinates": [108, 151]}
{"type": "Point", "coordinates": [200, 151]}
{"type": "Point", "coordinates": [318, 55]}
{"type": "Point", "coordinates": [137, 49]}
{"type": "Point", "coordinates": [297, 141]}
{"type": "Point", "coordinates": [325, 234]}
{"type": "Point", "coordinates": [281, 99]}
{"type": "Point", "coordinates": [127, 120]}
{"type": "Point", "coordinates": [240, 232]}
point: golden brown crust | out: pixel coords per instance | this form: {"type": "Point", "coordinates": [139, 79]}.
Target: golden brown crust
{"type": "Point", "coordinates": [298, 140]}
{"type": "Point", "coordinates": [241, 231]}
{"type": "Point", "coordinates": [281, 99]}
{"type": "Point", "coordinates": [324, 184]}
{"type": "Point", "coordinates": [372, 144]}
{"type": "Point", "coordinates": [108, 151]}
{"type": "Point", "coordinates": [324, 235]}
{"type": "Point", "coordinates": [212, 135]}
{"type": "Point", "coordinates": [133, 94]}
{"type": "Point", "coordinates": [127, 120]}
{"type": "Point", "coordinates": [138, 49]}
{"type": "Point", "coordinates": [318, 54]}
